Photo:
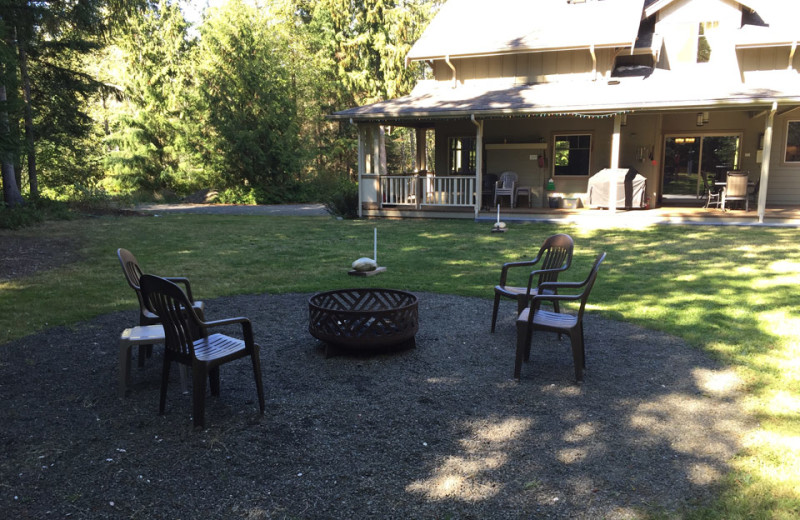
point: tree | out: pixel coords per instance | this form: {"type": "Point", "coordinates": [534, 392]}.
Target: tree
{"type": "Point", "coordinates": [246, 96]}
{"type": "Point", "coordinates": [150, 151]}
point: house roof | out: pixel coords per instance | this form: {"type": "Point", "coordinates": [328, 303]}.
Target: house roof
{"type": "Point", "coordinates": [659, 91]}
{"type": "Point", "coordinates": [504, 26]}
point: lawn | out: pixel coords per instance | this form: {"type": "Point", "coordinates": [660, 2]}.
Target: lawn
{"type": "Point", "coordinates": [729, 291]}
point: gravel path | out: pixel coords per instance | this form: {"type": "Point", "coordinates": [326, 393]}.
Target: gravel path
{"type": "Point", "coordinates": [310, 209]}
{"type": "Point", "coordinates": [439, 431]}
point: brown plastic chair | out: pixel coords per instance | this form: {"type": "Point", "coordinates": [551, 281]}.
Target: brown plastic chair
{"type": "Point", "coordinates": [188, 343]}
{"type": "Point", "coordinates": [133, 275]}
{"type": "Point", "coordinates": [535, 318]}
{"type": "Point", "coordinates": [736, 189]}
{"type": "Point", "coordinates": [555, 256]}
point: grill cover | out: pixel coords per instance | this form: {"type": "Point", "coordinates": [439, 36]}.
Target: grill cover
{"type": "Point", "coordinates": [631, 188]}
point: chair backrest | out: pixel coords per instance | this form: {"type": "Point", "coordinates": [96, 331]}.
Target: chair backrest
{"type": "Point", "coordinates": [556, 252]}
{"type": "Point", "coordinates": [133, 275]}
{"type": "Point", "coordinates": [590, 282]}
{"type": "Point", "coordinates": [736, 184]}
{"type": "Point", "coordinates": [508, 179]}
{"type": "Point", "coordinates": [174, 310]}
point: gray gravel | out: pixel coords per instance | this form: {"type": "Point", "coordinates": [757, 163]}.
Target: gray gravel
{"type": "Point", "coordinates": [438, 431]}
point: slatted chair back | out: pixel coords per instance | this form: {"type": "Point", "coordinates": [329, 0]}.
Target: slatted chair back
{"type": "Point", "coordinates": [556, 255]}
{"type": "Point", "coordinates": [133, 274]}
{"type": "Point", "coordinates": [173, 308]}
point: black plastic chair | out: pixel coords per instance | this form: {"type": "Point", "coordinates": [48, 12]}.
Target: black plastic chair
{"type": "Point", "coordinates": [554, 256]}
{"type": "Point", "coordinates": [188, 342]}
{"type": "Point", "coordinates": [536, 318]}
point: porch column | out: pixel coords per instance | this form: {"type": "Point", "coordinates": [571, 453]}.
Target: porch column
{"type": "Point", "coordinates": [765, 159]}
{"type": "Point", "coordinates": [478, 164]}
{"type": "Point", "coordinates": [612, 193]}
{"type": "Point", "coordinates": [422, 149]}
{"type": "Point", "coordinates": [362, 166]}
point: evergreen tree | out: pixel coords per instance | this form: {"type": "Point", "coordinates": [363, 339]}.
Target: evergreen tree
{"type": "Point", "coordinates": [147, 135]}
{"type": "Point", "coordinates": [246, 95]}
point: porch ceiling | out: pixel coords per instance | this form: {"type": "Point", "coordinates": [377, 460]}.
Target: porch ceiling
{"type": "Point", "coordinates": [659, 91]}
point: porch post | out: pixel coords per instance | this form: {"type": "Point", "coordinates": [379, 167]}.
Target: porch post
{"type": "Point", "coordinates": [362, 166]}
{"type": "Point", "coordinates": [422, 149]}
{"type": "Point", "coordinates": [612, 194]}
{"type": "Point", "coordinates": [765, 159]}
{"type": "Point", "coordinates": [478, 164]}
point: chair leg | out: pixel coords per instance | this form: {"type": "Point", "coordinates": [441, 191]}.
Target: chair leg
{"type": "Point", "coordinates": [213, 381]}
{"type": "Point", "coordinates": [495, 309]}
{"type": "Point", "coordinates": [577, 353]}
{"type": "Point", "coordinates": [164, 380]}
{"type": "Point", "coordinates": [522, 336]}
{"type": "Point", "coordinates": [199, 375]}
{"type": "Point", "coordinates": [259, 382]}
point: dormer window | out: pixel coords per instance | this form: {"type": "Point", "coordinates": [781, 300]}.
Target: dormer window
{"type": "Point", "coordinates": [703, 47]}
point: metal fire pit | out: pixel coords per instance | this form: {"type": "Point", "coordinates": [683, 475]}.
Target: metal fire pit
{"type": "Point", "coordinates": [364, 319]}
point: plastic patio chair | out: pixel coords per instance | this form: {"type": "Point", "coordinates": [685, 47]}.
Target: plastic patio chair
{"type": "Point", "coordinates": [536, 318]}
{"type": "Point", "coordinates": [507, 185]}
{"type": "Point", "coordinates": [188, 342]}
{"type": "Point", "coordinates": [554, 256]}
{"type": "Point", "coordinates": [133, 274]}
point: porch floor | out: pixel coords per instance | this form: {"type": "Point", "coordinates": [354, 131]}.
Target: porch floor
{"type": "Point", "coordinates": [778, 216]}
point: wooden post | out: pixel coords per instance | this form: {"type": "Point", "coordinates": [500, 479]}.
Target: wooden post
{"type": "Point", "coordinates": [765, 160]}
{"type": "Point", "coordinates": [612, 192]}
{"type": "Point", "coordinates": [479, 165]}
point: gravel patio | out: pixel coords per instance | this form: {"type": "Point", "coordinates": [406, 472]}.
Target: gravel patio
{"type": "Point", "coordinates": [438, 431]}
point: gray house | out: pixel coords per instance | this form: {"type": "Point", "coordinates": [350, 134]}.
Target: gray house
{"type": "Point", "coordinates": [558, 90]}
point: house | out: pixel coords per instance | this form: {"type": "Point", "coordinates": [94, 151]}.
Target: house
{"type": "Point", "coordinates": [558, 90]}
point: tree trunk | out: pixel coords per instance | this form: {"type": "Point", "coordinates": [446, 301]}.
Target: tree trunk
{"type": "Point", "coordinates": [11, 194]}
{"type": "Point", "coordinates": [33, 178]}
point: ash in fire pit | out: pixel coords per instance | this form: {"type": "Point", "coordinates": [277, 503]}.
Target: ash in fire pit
{"type": "Point", "coordinates": [364, 319]}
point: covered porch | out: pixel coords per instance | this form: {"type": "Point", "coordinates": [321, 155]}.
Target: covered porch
{"type": "Point", "coordinates": [480, 134]}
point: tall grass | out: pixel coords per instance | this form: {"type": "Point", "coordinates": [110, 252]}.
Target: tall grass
{"type": "Point", "coordinates": [732, 292]}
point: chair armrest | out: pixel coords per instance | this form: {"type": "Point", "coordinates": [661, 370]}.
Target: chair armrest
{"type": "Point", "coordinates": [509, 265]}
{"type": "Point", "coordinates": [539, 272]}
{"type": "Point", "coordinates": [247, 326]}
{"type": "Point", "coordinates": [554, 286]}
{"type": "Point", "coordinates": [182, 280]}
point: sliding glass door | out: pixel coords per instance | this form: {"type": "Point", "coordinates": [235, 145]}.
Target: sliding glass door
{"type": "Point", "coordinates": [688, 158]}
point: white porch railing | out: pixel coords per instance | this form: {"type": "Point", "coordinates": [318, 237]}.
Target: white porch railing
{"type": "Point", "coordinates": [416, 190]}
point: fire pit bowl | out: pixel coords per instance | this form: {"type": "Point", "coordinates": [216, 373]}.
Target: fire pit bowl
{"type": "Point", "coordinates": [365, 319]}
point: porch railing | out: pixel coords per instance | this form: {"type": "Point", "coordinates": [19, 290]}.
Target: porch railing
{"type": "Point", "coordinates": [416, 190]}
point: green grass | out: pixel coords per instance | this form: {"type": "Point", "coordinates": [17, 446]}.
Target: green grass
{"type": "Point", "coordinates": [730, 291]}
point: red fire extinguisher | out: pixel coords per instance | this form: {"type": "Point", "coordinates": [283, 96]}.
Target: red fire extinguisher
{"type": "Point", "coordinates": [542, 161]}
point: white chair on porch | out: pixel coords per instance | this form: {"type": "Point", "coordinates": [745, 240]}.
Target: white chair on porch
{"type": "Point", "coordinates": [507, 185]}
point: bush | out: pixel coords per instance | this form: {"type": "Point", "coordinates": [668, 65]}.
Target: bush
{"type": "Point", "coordinates": [343, 201]}
{"type": "Point", "coordinates": [32, 213]}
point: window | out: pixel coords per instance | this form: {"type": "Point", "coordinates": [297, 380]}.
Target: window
{"type": "Point", "coordinates": [703, 47]}
{"type": "Point", "coordinates": [461, 160]}
{"type": "Point", "coordinates": [571, 154]}
{"type": "Point", "coordinates": [793, 142]}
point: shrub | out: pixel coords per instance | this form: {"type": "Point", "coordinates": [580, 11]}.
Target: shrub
{"type": "Point", "coordinates": [343, 201]}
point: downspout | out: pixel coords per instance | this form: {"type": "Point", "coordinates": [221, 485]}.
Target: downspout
{"type": "Point", "coordinates": [594, 61]}
{"type": "Point", "coordinates": [478, 163]}
{"type": "Point", "coordinates": [791, 54]}
{"type": "Point", "coordinates": [453, 68]}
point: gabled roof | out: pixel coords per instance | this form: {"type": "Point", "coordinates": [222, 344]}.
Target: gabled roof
{"type": "Point", "coordinates": [464, 28]}
{"type": "Point", "coordinates": [660, 91]}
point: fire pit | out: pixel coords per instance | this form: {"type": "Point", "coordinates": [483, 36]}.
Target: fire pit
{"type": "Point", "coordinates": [364, 319]}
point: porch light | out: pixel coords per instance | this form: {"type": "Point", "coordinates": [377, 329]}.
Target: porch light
{"type": "Point", "coordinates": [699, 119]}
